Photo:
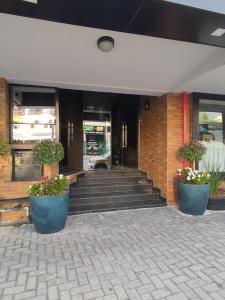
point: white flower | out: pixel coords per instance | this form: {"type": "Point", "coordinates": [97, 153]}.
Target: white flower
{"type": "Point", "coordinates": [188, 178]}
{"type": "Point", "coordinates": [30, 186]}
{"type": "Point", "coordinates": [60, 176]}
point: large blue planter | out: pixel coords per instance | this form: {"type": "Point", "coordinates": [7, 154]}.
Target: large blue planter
{"type": "Point", "coordinates": [49, 213]}
{"type": "Point", "coordinates": [67, 197]}
{"type": "Point", "coordinates": [193, 198]}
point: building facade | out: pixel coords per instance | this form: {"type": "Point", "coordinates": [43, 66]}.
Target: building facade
{"type": "Point", "coordinates": [154, 139]}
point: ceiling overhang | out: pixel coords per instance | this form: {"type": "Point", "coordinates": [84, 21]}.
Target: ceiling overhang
{"type": "Point", "coordinates": [156, 18]}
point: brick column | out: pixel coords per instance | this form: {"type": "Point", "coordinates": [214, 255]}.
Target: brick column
{"type": "Point", "coordinates": [4, 109]}
{"type": "Point", "coordinates": [4, 128]}
{"type": "Point", "coordinates": [161, 135]}
{"type": "Point", "coordinates": [153, 141]}
{"type": "Point", "coordinates": [175, 140]}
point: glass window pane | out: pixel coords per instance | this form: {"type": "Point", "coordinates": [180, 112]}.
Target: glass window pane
{"type": "Point", "coordinates": [32, 133]}
{"type": "Point", "coordinates": [33, 114]}
{"type": "Point", "coordinates": [212, 137]}
{"type": "Point", "coordinates": [211, 126]}
{"type": "Point", "coordinates": [24, 166]}
{"type": "Point", "coordinates": [96, 144]}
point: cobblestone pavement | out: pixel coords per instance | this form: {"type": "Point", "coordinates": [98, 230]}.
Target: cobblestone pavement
{"type": "Point", "coordinates": [137, 255]}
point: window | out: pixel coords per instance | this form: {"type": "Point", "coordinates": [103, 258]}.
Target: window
{"type": "Point", "coordinates": [33, 115]}
{"type": "Point", "coordinates": [24, 166]}
{"type": "Point", "coordinates": [211, 127]}
{"type": "Point", "coordinates": [33, 118]}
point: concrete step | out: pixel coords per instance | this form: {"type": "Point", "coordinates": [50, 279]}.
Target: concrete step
{"type": "Point", "coordinates": [103, 190]}
{"type": "Point", "coordinates": [113, 173]}
{"type": "Point", "coordinates": [114, 198]}
{"type": "Point", "coordinates": [118, 180]}
{"type": "Point", "coordinates": [113, 190]}
{"type": "Point", "coordinates": [150, 191]}
{"type": "Point", "coordinates": [97, 207]}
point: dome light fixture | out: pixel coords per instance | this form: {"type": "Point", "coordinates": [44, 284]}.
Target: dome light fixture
{"type": "Point", "coordinates": [105, 43]}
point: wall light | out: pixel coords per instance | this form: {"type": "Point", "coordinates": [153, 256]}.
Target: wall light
{"type": "Point", "coordinates": [31, 1]}
{"type": "Point", "coordinates": [105, 43]}
{"type": "Point", "coordinates": [147, 105]}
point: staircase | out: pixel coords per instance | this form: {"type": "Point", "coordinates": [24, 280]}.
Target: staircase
{"type": "Point", "coordinates": [112, 190]}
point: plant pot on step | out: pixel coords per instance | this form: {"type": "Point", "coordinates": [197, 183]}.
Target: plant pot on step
{"type": "Point", "coordinates": [193, 198]}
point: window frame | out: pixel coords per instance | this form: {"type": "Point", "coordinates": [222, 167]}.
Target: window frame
{"type": "Point", "coordinates": [28, 146]}
{"type": "Point", "coordinates": [32, 89]}
{"type": "Point", "coordinates": [196, 97]}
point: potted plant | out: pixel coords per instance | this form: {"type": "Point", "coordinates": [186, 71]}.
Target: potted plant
{"type": "Point", "coordinates": [192, 185]}
{"type": "Point", "coordinates": [216, 192]}
{"type": "Point", "coordinates": [49, 206]}
{"type": "Point", "coordinates": [48, 154]}
{"type": "Point", "coordinates": [4, 151]}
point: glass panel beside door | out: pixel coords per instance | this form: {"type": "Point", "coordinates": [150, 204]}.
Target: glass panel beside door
{"type": "Point", "coordinates": [211, 134]}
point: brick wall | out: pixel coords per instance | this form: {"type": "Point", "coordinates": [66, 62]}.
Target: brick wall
{"type": "Point", "coordinates": [174, 142]}
{"type": "Point", "coordinates": [161, 135]}
{"type": "Point", "coordinates": [4, 108]}
{"type": "Point", "coordinates": [153, 141]}
{"type": "Point", "coordinates": [5, 163]}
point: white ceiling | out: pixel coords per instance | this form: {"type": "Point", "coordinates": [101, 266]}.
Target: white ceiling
{"type": "Point", "coordinates": [38, 52]}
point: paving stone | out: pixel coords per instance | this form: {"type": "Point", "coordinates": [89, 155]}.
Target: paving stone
{"type": "Point", "coordinates": [143, 254]}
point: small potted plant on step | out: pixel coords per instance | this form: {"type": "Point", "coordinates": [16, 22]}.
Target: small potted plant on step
{"type": "Point", "coordinates": [49, 206]}
{"type": "Point", "coordinates": [192, 185]}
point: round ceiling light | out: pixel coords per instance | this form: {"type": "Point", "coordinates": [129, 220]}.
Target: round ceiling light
{"type": "Point", "coordinates": [105, 43]}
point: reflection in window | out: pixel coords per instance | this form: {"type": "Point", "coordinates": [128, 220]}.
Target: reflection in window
{"type": "Point", "coordinates": [211, 134]}
{"type": "Point", "coordinates": [33, 116]}
{"type": "Point", "coordinates": [24, 166]}
{"type": "Point", "coordinates": [211, 126]}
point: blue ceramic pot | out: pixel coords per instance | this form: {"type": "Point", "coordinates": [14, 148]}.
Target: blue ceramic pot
{"type": "Point", "coordinates": [193, 198]}
{"type": "Point", "coordinates": [49, 213]}
{"type": "Point", "coordinates": [67, 197]}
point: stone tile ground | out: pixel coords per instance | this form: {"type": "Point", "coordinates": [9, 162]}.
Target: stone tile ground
{"type": "Point", "coordinates": [137, 255]}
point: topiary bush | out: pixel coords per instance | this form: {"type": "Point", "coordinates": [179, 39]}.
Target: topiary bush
{"type": "Point", "coordinates": [192, 152]}
{"type": "Point", "coordinates": [48, 153]}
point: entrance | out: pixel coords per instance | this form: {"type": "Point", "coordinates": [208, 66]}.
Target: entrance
{"type": "Point", "coordinates": [98, 130]}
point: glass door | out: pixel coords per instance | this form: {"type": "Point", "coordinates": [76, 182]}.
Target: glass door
{"type": "Point", "coordinates": [97, 144]}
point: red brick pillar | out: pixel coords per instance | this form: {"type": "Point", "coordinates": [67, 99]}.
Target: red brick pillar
{"type": "Point", "coordinates": [161, 135]}
{"type": "Point", "coordinates": [175, 140]}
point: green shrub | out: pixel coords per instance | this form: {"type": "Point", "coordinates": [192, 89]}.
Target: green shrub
{"type": "Point", "coordinates": [216, 179]}
{"type": "Point", "coordinates": [192, 152]}
{"type": "Point", "coordinates": [4, 148]}
{"type": "Point", "coordinates": [48, 152]}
